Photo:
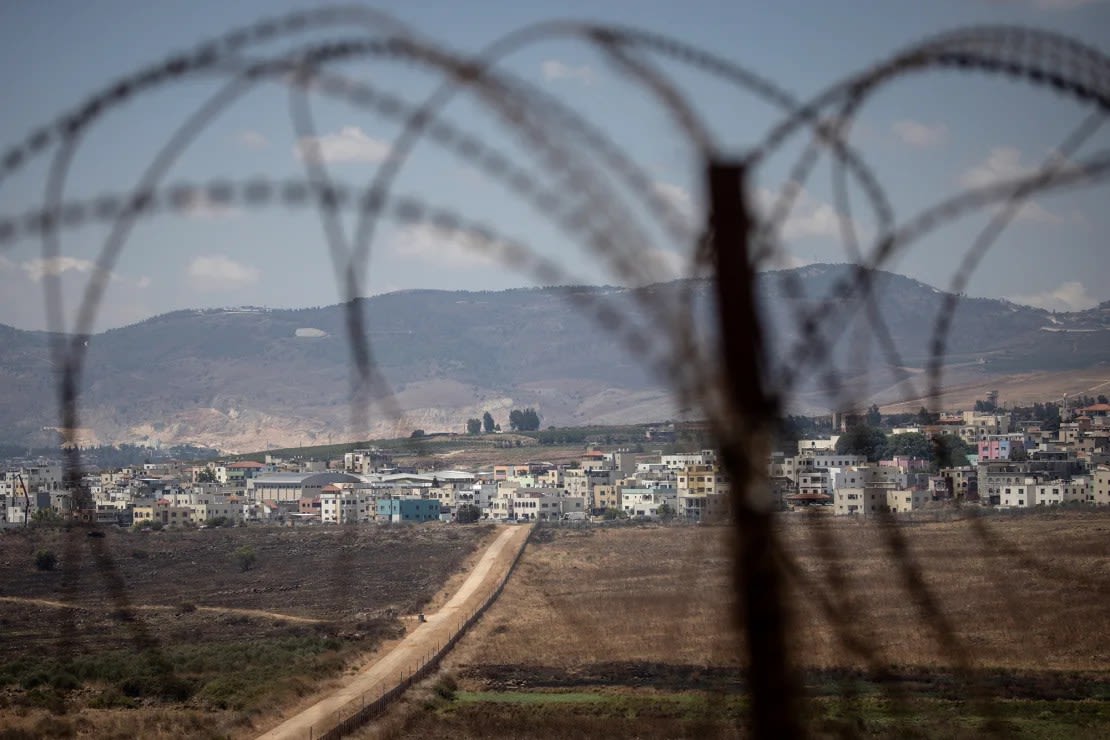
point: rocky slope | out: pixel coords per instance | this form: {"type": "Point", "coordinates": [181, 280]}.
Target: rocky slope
{"type": "Point", "coordinates": [254, 378]}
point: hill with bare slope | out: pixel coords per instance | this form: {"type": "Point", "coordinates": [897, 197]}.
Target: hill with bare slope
{"type": "Point", "coordinates": [253, 378]}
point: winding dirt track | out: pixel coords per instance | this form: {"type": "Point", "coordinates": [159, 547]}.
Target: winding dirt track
{"type": "Point", "coordinates": [416, 647]}
{"type": "Point", "coordinates": [157, 607]}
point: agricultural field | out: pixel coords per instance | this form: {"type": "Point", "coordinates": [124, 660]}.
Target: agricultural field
{"type": "Point", "coordinates": [627, 631]}
{"type": "Point", "coordinates": [205, 633]}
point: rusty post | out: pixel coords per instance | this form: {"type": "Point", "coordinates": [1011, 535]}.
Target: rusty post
{"type": "Point", "coordinates": [749, 414]}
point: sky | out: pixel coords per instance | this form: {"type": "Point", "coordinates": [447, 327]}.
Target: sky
{"type": "Point", "coordinates": [926, 137]}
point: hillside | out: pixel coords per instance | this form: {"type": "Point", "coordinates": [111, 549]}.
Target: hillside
{"type": "Point", "coordinates": [257, 378]}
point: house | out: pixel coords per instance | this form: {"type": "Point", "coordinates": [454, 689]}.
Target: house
{"type": "Point", "coordinates": [344, 504]}
{"type": "Point", "coordinates": [292, 487]}
{"type": "Point", "coordinates": [393, 509]}
{"type": "Point", "coordinates": [905, 500]}
{"type": "Point", "coordinates": [1100, 494]}
{"type": "Point", "coordinates": [544, 504]}
{"type": "Point", "coordinates": [703, 492]}
{"type": "Point", "coordinates": [238, 473]}
{"type": "Point", "coordinates": [644, 503]}
{"type": "Point", "coordinates": [861, 500]}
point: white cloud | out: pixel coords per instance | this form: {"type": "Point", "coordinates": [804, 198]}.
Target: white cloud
{"type": "Point", "coordinates": [677, 198]}
{"type": "Point", "coordinates": [662, 264]}
{"type": "Point", "coordinates": [39, 268]}
{"type": "Point", "coordinates": [1069, 296]}
{"type": "Point", "coordinates": [553, 69]}
{"type": "Point", "coordinates": [253, 140]}
{"type": "Point", "coordinates": [216, 272]}
{"type": "Point", "coordinates": [809, 218]}
{"type": "Point", "coordinates": [442, 247]}
{"type": "Point", "coordinates": [349, 144]}
{"type": "Point", "coordinates": [5, 263]}
{"type": "Point", "coordinates": [1004, 164]}
{"type": "Point", "coordinates": [920, 135]}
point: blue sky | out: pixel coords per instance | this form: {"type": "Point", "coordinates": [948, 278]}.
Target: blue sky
{"type": "Point", "coordinates": [926, 137]}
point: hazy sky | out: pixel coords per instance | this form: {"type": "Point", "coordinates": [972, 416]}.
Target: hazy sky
{"type": "Point", "coordinates": [927, 137]}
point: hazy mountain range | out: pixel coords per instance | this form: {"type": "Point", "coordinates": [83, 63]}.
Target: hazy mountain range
{"type": "Point", "coordinates": [254, 378]}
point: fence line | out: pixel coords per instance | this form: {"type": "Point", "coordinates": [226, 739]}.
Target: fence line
{"type": "Point", "coordinates": [362, 710]}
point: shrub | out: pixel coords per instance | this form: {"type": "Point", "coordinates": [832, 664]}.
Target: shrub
{"type": "Point", "coordinates": [446, 687]}
{"type": "Point", "coordinates": [45, 559]}
{"type": "Point", "coordinates": [245, 556]}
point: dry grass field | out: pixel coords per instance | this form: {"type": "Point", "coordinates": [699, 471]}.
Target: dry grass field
{"type": "Point", "coordinates": [167, 636]}
{"type": "Point", "coordinates": [626, 631]}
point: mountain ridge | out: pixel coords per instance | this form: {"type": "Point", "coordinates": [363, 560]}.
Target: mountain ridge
{"type": "Point", "coordinates": [253, 377]}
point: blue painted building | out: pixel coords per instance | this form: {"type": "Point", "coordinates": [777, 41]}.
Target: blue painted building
{"type": "Point", "coordinates": [408, 510]}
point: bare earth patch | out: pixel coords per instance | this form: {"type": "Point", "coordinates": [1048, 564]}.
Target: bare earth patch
{"type": "Point", "coordinates": [622, 630]}
{"type": "Point", "coordinates": [164, 635]}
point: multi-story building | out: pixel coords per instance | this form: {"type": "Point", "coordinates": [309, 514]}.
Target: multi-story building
{"type": "Point", "coordinates": [1100, 493]}
{"type": "Point", "coordinates": [702, 492]}
{"type": "Point", "coordinates": [348, 505]}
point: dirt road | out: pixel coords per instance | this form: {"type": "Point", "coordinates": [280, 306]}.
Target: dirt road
{"type": "Point", "coordinates": [415, 648]}
{"type": "Point", "coordinates": [261, 613]}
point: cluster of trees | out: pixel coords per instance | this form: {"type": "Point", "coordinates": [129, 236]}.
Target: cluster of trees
{"type": "Point", "coordinates": [485, 424]}
{"type": "Point", "coordinates": [468, 514]}
{"type": "Point", "coordinates": [943, 450]}
{"type": "Point", "coordinates": [526, 420]}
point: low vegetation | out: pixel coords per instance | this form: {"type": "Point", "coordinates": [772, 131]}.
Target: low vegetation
{"type": "Point", "coordinates": [196, 644]}
{"type": "Point", "coordinates": [626, 631]}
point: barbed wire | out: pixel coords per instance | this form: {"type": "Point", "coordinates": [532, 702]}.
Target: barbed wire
{"type": "Point", "coordinates": [579, 180]}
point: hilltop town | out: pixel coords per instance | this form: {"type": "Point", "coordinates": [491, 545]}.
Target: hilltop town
{"type": "Point", "coordinates": [988, 457]}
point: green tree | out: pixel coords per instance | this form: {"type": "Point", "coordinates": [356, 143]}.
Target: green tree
{"type": "Point", "coordinates": [913, 444]}
{"type": "Point", "coordinates": [417, 433]}
{"type": "Point", "coordinates": [473, 426]}
{"type": "Point", "coordinates": [949, 451]}
{"type": "Point", "coordinates": [245, 557]}
{"type": "Point", "coordinates": [924, 417]}
{"type": "Point", "coordinates": [206, 476]}
{"type": "Point", "coordinates": [487, 423]}
{"type": "Point", "coordinates": [863, 440]}
{"type": "Point", "coordinates": [45, 559]}
{"type": "Point", "coordinates": [665, 513]}
{"type": "Point", "coordinates": [468, 514]}
{"type": "Point", "coordinates": [524, 420]}
{"type": "Point", "coordinates": [874, 417]}
{"type": "Point", "coordinates": [46, 518]}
